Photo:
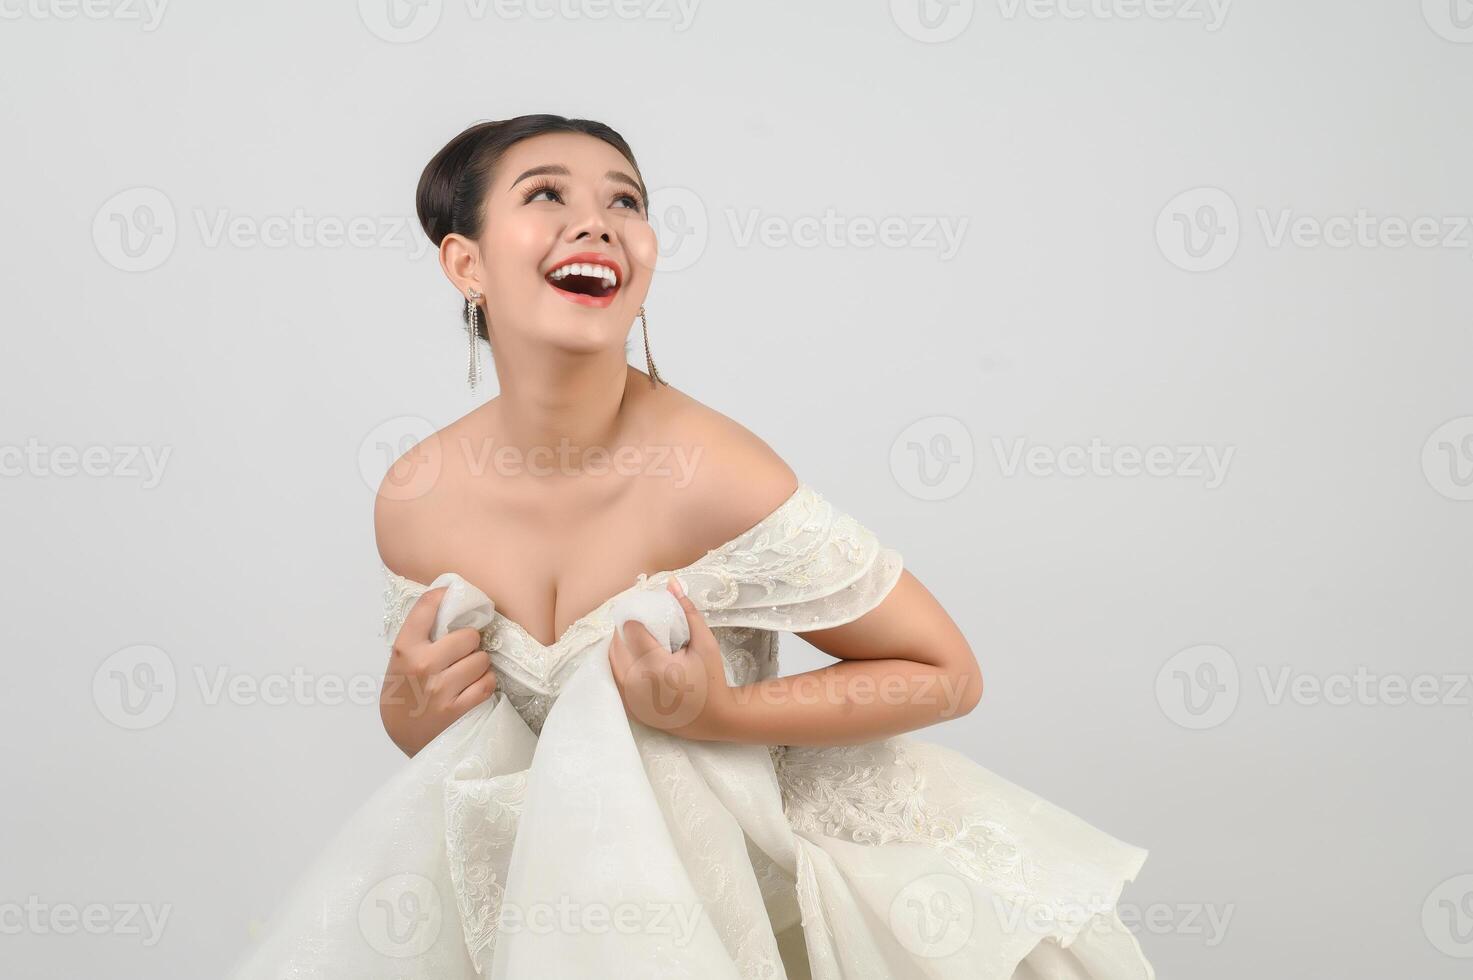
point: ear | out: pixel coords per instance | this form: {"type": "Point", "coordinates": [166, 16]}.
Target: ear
{"type": "Point", "coordinates": [460, 260]}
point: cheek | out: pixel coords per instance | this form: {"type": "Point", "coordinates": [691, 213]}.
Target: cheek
{"type": "Point", "coordinates": [531, 240]}
{"type": "Point", "coordinates": [516, 251]}
{"type": "Point", "coordinates": [641, 244]}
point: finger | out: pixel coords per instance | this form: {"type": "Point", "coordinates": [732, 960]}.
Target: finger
{"type": "Point", "coordinates": [421, 615]}
{"type": "Point", "coordinates": [638, 640]}
{"type": "Point", "coordinates": [693, 617]}
{"type": "Point", "coordinates": [465, 672]}
{"type": "Point", "coordinates": [453, 647]}
{"type": "Point", "coordinates": [628, 649]}
{"type": "Point", "coordinates": [618, 659]}
{"type": "Point", "coordinates": [667, 691]}
{"type": "Point", "coordinates": [479, 691]}
{"type": "Point", "coordinates": [627, 644]}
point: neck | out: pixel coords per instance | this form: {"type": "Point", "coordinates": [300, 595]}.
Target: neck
{"type": "Point", "coordinates": [556, 405]}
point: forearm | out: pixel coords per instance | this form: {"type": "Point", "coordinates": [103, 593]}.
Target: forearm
{"type": "Point", "coordinates": [849, 702]}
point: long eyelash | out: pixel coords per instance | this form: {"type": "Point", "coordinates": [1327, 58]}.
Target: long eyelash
{"type": "Point", "coordinates": [557, 188]}
{"type": "Point", "coordinates": [540, 186]}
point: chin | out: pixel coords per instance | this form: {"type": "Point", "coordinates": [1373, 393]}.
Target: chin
{"type": "Point", "coordinates": [587, 331]}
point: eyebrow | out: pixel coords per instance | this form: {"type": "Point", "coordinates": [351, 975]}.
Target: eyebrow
{"type": "Point", "coordinates": [617, 176]}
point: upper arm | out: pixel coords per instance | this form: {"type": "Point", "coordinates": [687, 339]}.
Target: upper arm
{"type": "Point", "coordinates": [910, 624]}
{"type": "Point", "coordinates": [906, 623]}
{"type": "Point", "coordinates": [401, 507]}
{"type": "Point", "coordinates": [741, 480]}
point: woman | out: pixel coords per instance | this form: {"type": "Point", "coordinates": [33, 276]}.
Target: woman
{"type": "Point", "coordinates": [584, 801]}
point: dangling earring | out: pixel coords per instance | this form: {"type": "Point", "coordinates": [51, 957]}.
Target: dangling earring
{"type": "Point", "coordinates": [472, 319]}
{"type": "Point", "coordinates": [654, 372]}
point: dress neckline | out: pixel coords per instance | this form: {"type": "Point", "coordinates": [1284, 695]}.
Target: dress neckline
{"type": "Point", "coordinates": [643, 579]}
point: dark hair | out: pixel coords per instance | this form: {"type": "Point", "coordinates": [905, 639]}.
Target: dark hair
{"type": "Point", "coordinates": [453, 186]}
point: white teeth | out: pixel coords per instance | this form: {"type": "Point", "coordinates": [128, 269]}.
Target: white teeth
{"type": "Point", "coordinates": [586, 269]}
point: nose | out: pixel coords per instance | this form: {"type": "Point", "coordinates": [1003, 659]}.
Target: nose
{"type": "Point", "coordinates": [590, 224]}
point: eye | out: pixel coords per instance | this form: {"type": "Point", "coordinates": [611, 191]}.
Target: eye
{"type": "Point", "coordinates": [542, 187]}
{"type": "Point", "coordinates": [556, 190]}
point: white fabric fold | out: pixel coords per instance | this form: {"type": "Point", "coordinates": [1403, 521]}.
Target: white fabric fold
{"type": "Point", "coordinates": [463, 606]}
{"type": "Point", "coordinates": [620, 902]}
{"type": "Point", "coordinates": [546, 833]}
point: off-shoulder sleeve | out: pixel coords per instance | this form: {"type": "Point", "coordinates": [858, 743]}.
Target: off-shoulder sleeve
{"type": "Point", "coordinates": [808, 566]}
{"type": "Point", "coordinates": [400, 595]}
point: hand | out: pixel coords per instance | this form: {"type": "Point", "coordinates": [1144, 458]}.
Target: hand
{"type": "Point", "coordinates": [429, 685]}
{"type": "Point", "coordinates": [684, 693]}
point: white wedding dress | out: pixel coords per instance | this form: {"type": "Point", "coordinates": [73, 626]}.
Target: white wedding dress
{"type": "Point", "coordinates": [547, 834]}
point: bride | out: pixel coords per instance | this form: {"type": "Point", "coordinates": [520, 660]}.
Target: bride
{"type": "Point", "coordinates": [588, 792]}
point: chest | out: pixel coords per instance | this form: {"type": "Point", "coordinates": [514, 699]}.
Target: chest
{"type": "Point", "coordinates": [532, 677]}
{"type": "Point", "coordinates": [548, 572]}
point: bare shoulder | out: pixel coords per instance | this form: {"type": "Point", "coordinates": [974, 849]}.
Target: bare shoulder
{"type": "Point", "coordinates": [725, 478]}
{"type": "Point", "coordinates": [410, 506]}
{"type": "Point", "coordinates": [397, 512]}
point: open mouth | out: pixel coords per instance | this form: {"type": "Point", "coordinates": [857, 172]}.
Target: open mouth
{"type": "Point", "coordinates": [589, 280]}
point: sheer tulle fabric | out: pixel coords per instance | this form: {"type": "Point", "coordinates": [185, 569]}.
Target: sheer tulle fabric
{"type": "Point", "coordinates": [546, 833]}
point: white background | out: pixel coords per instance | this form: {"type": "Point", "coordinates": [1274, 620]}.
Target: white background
{"type": "Point", "coordinates": [1133, 629]}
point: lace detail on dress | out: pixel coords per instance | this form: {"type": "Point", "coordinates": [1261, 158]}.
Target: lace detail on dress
{"type": "Point", "coordinates": [726, 904]}
{"type": "Point", "coordinates": [761, 849]}
{"type": "Point", "coordinates": [809, 567]}
{"type": "Point", "coordinates": [750, 654]}
{"type": "Point", "coordinates": [400, 595]}
{"type": "Point", "coordinates": [532, 706]}
{"type": "Point", "coordinates": [875, 793]}
{"type": "Point", "coordinates": [805, 566]}
{"type": "Point", "coordinates": [481, 817]}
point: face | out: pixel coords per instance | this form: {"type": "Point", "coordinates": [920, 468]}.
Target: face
{"type": "Point", "coordinates": [566, 250]}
